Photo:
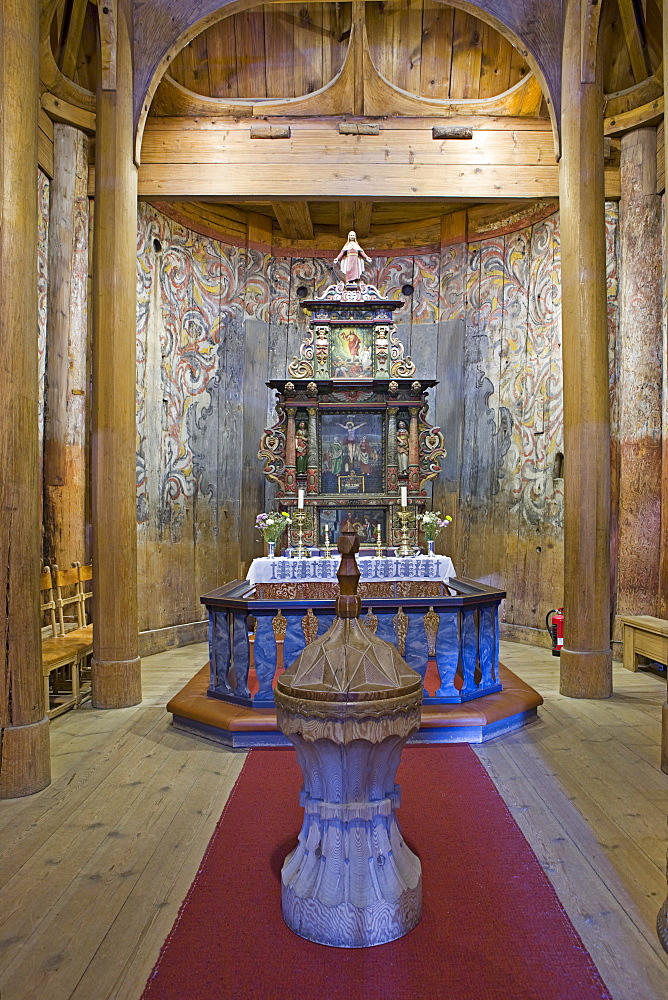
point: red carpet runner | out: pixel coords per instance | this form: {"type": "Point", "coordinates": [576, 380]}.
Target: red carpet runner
{"type": "Point", "coordinates": [492, 926]}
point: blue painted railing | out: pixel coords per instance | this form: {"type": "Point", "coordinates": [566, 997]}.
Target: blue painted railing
{"type": "Point", "coordinates": [460, 633]}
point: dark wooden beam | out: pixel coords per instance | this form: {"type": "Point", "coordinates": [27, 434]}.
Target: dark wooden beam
{"type": "Point", "coordinates": [294, 219]}
{"type": "Point", "coordinates": [635, 42]}
{"type": "Point", "coordinates": [70, 50]}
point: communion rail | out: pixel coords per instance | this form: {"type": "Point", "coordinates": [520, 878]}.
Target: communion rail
{"type": "Point", "coordinates": [461, 634]}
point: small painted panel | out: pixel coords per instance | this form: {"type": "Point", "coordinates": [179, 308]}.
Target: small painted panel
{"type": "Point", "coordinates": [325, 622]}
{"type": "Point", "coordinates": [469, 644]}
{"type": "Point", "coordinates": [220, 653]}
{"type": "Point", "coordinates": [351, 446]}
{"type": "Point", "coordinates": [386, 629]}
{"type": "Point", "coordinates": [351, 352]}
{"type": "Point", "coordinates": [294, 640]}
{"type": "Point", "coordinates": [416, 650]}
{"type": "Point", "coordinates": [264, 653]}
{"type": "Point", "coordinates": [447, 654]}
{"type": "Point", "coordinates": [489, 645]}
{"type": "Point", "coordinates": [365, 520]}
{"type": "Point", "coordinates": [240, 655]}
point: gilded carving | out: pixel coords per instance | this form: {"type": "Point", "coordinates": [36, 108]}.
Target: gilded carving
{"type": "Point", "coordinates": [272, 450]}
{"type": "Point", "coordinates": [310, 626]}
{"type": "Point", "coordinates": [279, 623]}
{"type": "Point", "coordinates": [431, 623]}
{"type": "Point", "coordinates": [400, 622]}
{"type": "Point", "coordinates": [371, 620]}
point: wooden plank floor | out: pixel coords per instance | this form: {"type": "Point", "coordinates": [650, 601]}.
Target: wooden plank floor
{"type": "Point", "coordinates": [94, 869]}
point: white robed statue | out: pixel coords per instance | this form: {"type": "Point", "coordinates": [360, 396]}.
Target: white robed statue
{"type": "Point", "coordinates": [352, 258]}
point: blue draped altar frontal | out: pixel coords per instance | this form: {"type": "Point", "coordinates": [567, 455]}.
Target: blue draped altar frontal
{"type": "Point", "coordinates": [461, 633]}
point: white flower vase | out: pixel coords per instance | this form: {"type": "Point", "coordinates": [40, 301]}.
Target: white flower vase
{"type": "Point", "coordinates": [430, 546]}
{"type": "Point", "coordinates": [271, 546]}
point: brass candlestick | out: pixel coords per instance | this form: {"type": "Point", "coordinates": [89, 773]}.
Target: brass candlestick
{"type": "Point", "coordinates": [299, 551]}
{"type": "Point", "coordinates": [404, 516]}
{"type": "Point", "coordinates": [379, 542]}
{"type": "Point", "coordinates": [328, 548]}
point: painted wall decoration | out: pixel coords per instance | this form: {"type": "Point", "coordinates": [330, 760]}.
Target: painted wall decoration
{"type": "Point", "coordinates": [214, 322]}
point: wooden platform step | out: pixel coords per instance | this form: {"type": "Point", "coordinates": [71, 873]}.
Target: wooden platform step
{"type": "Point", "coordinates": [471, 722]}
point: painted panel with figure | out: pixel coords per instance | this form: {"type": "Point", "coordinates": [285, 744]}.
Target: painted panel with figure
{"type": "Point", "coordinates": [364, 519]}
{"type": "Point", "coordinates": [351, 352]}
{"type": "Point", "coordinates": [352, 452]}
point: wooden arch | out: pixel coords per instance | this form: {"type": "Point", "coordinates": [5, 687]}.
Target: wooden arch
{"type": "Point", "coordinates": [164, 27]}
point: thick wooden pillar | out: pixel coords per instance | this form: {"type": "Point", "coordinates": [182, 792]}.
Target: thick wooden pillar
{"type": "Point", "coordinates": [586, 659]}
{"type": "Point", "coordinates": [640, 349]}
{"type": "Point", "coordinates": [116, 665]}
{"type": "Point", "coordinates": [67, 336]}
{"type": "Point", "coordinates": [24, 728]}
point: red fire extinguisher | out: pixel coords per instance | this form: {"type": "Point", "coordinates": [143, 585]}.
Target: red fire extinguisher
{"type": "Point", "coordinates": [556, 629]}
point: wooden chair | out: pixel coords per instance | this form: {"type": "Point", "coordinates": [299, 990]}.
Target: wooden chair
{"type": "Point", "coordinates": [70, 601]}
{"type": "Point", "coordinates": [60, 657]}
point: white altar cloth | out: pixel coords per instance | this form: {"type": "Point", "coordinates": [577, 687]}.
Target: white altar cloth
{"type": "Point", "coordinates": [281, 569]}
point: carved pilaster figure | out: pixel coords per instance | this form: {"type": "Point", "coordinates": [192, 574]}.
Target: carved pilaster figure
{"type": "Point", "coordinates": [302, 447]}
{"type": "Point", "coordinates": [403, 447]}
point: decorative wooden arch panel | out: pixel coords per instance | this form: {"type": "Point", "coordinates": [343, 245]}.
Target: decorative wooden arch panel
{"type": "Point", "coordinates": [164, 27]}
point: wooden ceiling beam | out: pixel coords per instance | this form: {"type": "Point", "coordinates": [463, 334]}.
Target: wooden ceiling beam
{"type": "Point", "coordinates": [273, 181]}
{"type": "Point", "coordinates": [346, 217]}
{"type": "Point", "coordinates": [70, 50]}
{"type": "Point", "coordinates": [294, 219]}
{"type": "Point", "coordinates": [635, 43]}
{"type": "Point", "coordinates": [362, 213]}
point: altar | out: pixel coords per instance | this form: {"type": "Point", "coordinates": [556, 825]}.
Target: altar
{"type": "Point", "coordinates": [380, 576]}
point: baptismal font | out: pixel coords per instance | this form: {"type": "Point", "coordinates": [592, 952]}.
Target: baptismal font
{"type": "Point", "coordinates": [348, 704]}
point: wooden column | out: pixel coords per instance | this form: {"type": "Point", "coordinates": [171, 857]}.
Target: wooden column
{"type": "Point", "coordinates": [313, 466]}
{"type": "Point", "coordinates": [662, 917]}
{"type": "Point", "coordinates": [586, 659]}
{"type": "Point", "coordinates": [290, 453]}
{"type": "Point", "coordinates": [66, 348]}
{"type": "Point", "coordinates": [24, 728]}
{"type": "Point", "coordinates": [116, 665]}
{"type": "Point", "coordinates": [392, 481]}
{"type": "Point", "coordinates": [640, 349]}
{"type": "Point", "coordinates": [413, 452]}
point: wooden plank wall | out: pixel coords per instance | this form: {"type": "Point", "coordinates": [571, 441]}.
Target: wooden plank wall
{"type": "Point", "coordinates": [215, 322]}
{"type": "Point", "coordinates": [289, 50]}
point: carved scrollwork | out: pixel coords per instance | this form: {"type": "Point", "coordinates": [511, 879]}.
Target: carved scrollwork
{"type": "Point", "coordinates": [272, 450]}
{"type": "Point", "coordinates": [302, 366]}
{"type": "Point", "coordinates": [432, 449]}
{"type": "Point", "coordinates": [401, 367]}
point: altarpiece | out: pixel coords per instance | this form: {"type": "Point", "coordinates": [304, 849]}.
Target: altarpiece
{"type": "Point", "coordinates": [352, 424]}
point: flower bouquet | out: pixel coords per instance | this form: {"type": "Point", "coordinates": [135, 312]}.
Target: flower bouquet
{"type": "Point", "coordinates": [272, 526]}
{"type": "Point", "coordinates": [431, 523]}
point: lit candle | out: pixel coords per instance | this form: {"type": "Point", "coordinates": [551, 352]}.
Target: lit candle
{"type": "Point", "coordinates": [404, 496]}
{"type": "Point", "coordinates": [300, 500]}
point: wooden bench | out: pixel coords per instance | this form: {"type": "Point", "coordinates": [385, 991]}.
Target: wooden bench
{"type": "Point", "coordinates": [644, 635]}
{"type": "Point", "coordinates": [68, 644]}
{"type": "Point", "coordinates": [60, 658]}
